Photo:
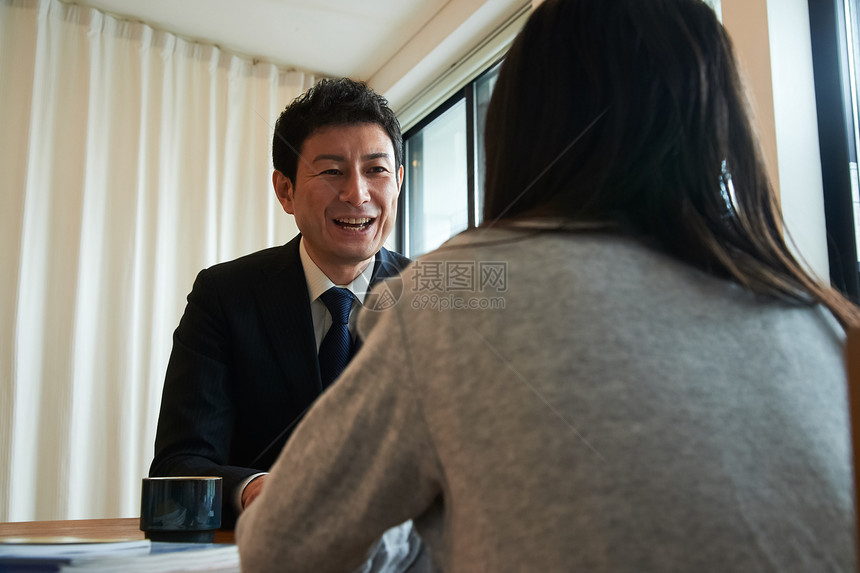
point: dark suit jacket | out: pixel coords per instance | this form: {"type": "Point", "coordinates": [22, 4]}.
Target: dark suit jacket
{"type": "Point", "coordinates": [243, 368]}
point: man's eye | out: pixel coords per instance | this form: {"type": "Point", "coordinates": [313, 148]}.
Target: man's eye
{"type": "Point", "coordinates": [330, 172]}
{"type": "Point", "coordinates": [378, 169]}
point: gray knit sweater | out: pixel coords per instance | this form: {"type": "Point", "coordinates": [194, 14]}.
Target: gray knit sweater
{"type": "Point", "coordinates": [594, 406]}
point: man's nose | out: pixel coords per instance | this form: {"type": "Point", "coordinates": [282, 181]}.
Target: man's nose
{"type": "Point", "coordinates": [355, 190]}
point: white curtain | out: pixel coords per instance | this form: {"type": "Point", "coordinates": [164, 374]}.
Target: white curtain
{"type": "Point", "coordinates": [129, 160]}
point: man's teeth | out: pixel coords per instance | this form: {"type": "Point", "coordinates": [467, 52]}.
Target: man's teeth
{"type": "Point", "coordinates": [362, 221]}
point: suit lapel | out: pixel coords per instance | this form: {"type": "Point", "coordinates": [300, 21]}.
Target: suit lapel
{"type": "Point", "coordinates": [386, 266]}
{"type": "Point", "coordinates": [284, 304]}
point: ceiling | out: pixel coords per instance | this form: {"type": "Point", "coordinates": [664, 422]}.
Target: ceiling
{"type": "Point", "coordinates": [414, 52]}
{"type": "Point", "coordinates": [326, 37]}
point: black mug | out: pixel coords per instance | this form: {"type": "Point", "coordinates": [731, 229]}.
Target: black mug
{"type": "Point", "coordinates": [181, 509]}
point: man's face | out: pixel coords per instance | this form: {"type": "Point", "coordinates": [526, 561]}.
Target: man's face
{"type": "Point", "coordinates": [345, 195]}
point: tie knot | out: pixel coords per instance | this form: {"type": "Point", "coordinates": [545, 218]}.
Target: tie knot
{"type": "Point", "coordinates": [338, 301]}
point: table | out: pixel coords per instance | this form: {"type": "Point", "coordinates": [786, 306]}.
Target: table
{"type": "Point", "coordinates": [122, 528]}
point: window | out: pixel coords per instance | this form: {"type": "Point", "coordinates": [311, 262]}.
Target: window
{"type": "Point", "coordinates": [835, 31]}
{"type": "Point", "coordinates": [444, 163]}
{"type": "Point", "coordinates": [852, 36]}
{"type": "Point", "coordinates": [437, 195]}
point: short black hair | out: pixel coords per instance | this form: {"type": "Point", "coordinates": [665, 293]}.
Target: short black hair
{"type": "Point", "coordinates": [330, 102]}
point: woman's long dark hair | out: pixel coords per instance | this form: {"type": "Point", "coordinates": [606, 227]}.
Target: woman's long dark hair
{"type": "Point", "coordinates": [634, 111]}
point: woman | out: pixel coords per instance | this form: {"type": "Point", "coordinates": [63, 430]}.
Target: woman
{"type": "Point", "coordinates": [642, 377]}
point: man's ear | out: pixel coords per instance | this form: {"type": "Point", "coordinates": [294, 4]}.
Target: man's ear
{"type": "Point", "coordinates": [399, 178]}
{"type": "Point", "coordinates": [284, 190]}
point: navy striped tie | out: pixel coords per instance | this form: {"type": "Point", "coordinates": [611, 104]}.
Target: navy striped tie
{"type": "Point", "coordinates": [337, 344]}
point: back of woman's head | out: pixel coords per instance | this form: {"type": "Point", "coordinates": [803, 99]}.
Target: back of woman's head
{"type": "Point", "coordinates": [613, 106]}
{"type": "Point", "coordinates": [633, 111]}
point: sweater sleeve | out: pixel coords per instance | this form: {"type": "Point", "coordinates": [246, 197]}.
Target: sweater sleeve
{"type": "Point", "coordinates": [367, 464]}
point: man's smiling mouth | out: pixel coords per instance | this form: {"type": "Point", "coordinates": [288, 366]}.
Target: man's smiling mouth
{"type": "Point", "coordinates": [357, 223]}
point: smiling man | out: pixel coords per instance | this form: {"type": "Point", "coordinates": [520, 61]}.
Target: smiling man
{"type": "Point", "coordinates": [344, 196]}
{"type": "Point", "coordinates": [251, 352]}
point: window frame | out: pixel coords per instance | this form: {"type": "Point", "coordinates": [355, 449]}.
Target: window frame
{"type": "Point", "coordinates": [467, 93]}
{"type": "Point", "coordinates": [835, 139]}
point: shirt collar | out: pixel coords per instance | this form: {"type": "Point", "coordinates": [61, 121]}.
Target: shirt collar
{"type": "Point", "coordinates": [318, 282]}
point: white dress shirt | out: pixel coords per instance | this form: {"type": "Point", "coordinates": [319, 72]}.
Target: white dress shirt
{"type": "Point", "coordinates": [318, 283]}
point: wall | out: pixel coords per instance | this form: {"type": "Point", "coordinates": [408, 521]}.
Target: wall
{"type": "Point", "coordinates": [458, 43]}
{"type": "Point", "coordinates": [802, 191]}
{"type": "Point", "coordinates": [772, 41]}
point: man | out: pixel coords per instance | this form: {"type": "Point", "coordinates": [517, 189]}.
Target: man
{"type": "Point", "coordinates": [244, 366]}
